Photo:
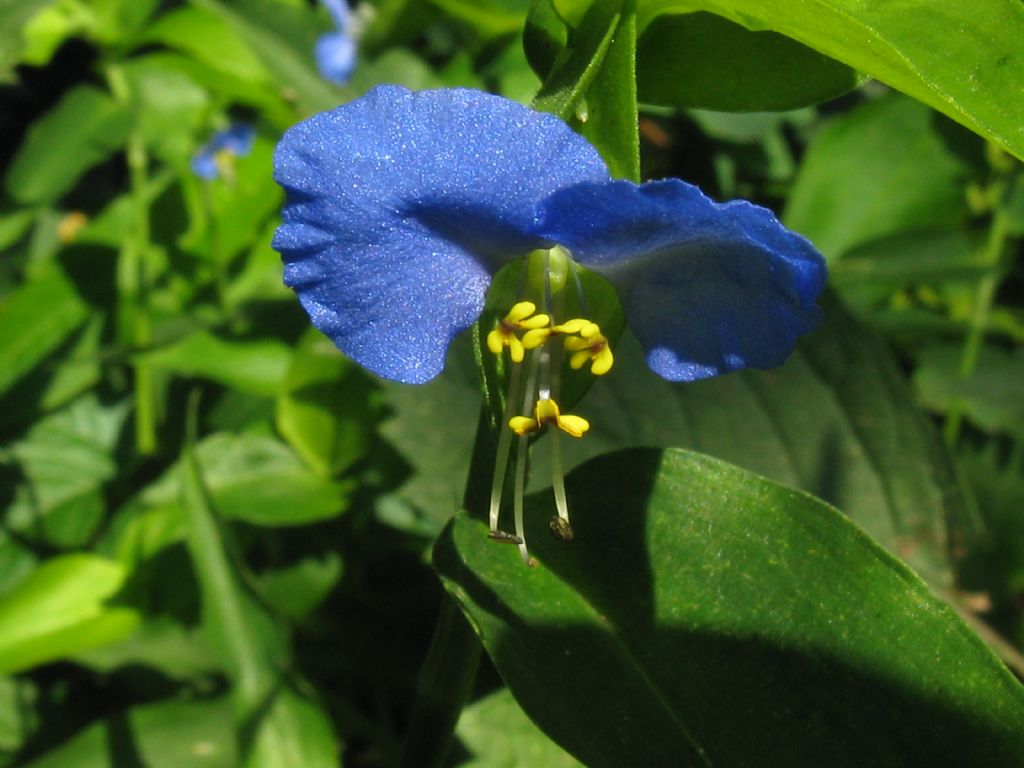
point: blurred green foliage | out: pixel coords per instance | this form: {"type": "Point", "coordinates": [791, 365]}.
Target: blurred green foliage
{"type": "Point", "coordinates": [215, 533]}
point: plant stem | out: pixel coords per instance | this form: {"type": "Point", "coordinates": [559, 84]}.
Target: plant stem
{"type": "Point", "coordinates": [449, 672]}
{"type": "Point", "coordinates": [995, 247]}
{"type": "Point", "coordinates": [133, 276]}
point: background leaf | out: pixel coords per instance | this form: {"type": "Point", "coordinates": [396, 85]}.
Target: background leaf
{"type": "Point", "coordinates": [58, 610]}
{"type": "Point", "coordinates": [970, 76]}
{"type": "Point", "coordinates": [703, 60]}
{"type": "Point", "coordinates": [83, 129]}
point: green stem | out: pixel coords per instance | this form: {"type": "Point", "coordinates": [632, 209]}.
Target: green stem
{"type": "Point", "coordinates": [992, 257]}
{"type": "Point", "coordinates": [133, 276]}
{"type": "Point", "coordinates": [449, 672]}
{"type": "Point", "coordinates": [223, 599]}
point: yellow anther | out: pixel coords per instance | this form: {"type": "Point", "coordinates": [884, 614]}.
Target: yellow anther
{"type": "Point", "coordinates": [590, 346]}
{"type": "Point", "coordinates": [519, 318]}
{"type": "Point", "coordinates": [547, 413]}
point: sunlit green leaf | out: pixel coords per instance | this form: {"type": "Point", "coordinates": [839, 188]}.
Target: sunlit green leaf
{"type": "Point", "coordinates": [495, 732]}
{"type": "Point", "coordinates": [255, 479]}
{"type": "Point", "coordinates": [327, 408]}
{"type": "Point", "coordinates": [84, 128]}
{"type": "Point", "coordinates": [58, 610]}
{"type": "Point", "coordinates": [880, 169]}
{"type": "Point", "coordinates": [30, 333]}
{"type": "Point", "coordinates": [257, 366]}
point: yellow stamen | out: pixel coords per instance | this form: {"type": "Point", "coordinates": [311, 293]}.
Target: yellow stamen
{"type": "Point", "coordinates": [547, 413]}
{"type": "Point", "coordinates": [591, 345]}
{"type": "Point", "coordinates": [519, 318]}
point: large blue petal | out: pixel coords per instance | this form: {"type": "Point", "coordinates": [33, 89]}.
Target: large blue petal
{"type": "Point", "coordinates": [706, 287]}
{"type": "Point", "coordinates": [401, 205]}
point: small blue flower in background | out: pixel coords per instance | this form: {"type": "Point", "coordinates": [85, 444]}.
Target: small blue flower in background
{"type": "Point", "coordinates": [213, 160]}
{"type": "Point", "coordinates": [401, 206]}
{"type": "Point", "coordinates": [336, 51]}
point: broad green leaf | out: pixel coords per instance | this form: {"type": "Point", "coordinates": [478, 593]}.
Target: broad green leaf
{"type": "Point", "coordinates": [168, 734]}
{"type": "Point", "coordinates": [58, 610]}
{"type": "Point", "coordinates": [703, 60]}
{"type": "Point", "coordinates": [876, 171]}
{"type": "Point", "coordinates": [495, 732]}
{"type": "Point", "coordinates": [963, 59]}
{"type": "Point", "coordinates": [83, 129]}
{"type": "Point", "coordinates": [257, 366]}
{"type": "Point", "coordinates": [36, 318]}
{"type": "Point", "coordinates": [256, 479]}
{"type": "Point", "coordinates": [326, 410]}
{"type": "Point", "coordinates": [706, 616]}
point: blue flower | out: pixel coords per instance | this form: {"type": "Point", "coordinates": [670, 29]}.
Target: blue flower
{"type": "Point", "coordinates": [213, 158]}
{"type": "Point", "coordinates": [335, 52]}
{"type": "Point", "coordinates": [401, 206]}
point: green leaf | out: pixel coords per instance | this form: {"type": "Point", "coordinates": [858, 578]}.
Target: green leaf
{"type": "Point", "coordinates": [962, 59]}
{"type": "Point", "coordinates": [169, 104]}
{"type": "Point", "coordinates": [878, 170]}
{"type": "Point", "coordinates": [83, 129]}
{"type": "Point", "coordinates": [168, 734]}
{"type": "Point", "coordinates": [489, 18]}
{"type": "Point", "coordinates": [58, 611]}
{"type": "Point", "coordinates": [293, 732]}
{"type": "Point", "coordinates": [706, 616]}
{"type": "Point", "coordinates": [36, 318]}
{"type": "Point", "coordinates": [14, 15]}
{"type": "Point", "coordinates": [63, 463]}
{"type": "Point", "coordinates": [992, 397]}
{"type": "Point", "coordinates": [703, 60]}
{"type": "Point", "coordinates": [257, 366]}
{"type": "Point", "coordinates": [208, 38]}
{"type": "Point", "coordinates": [255, 479]}
{"type": "Point", "coordinates": [283, 38]}
{"type": "Point", "coordinates": [161, 644]}
{"type": "Point", "coordinates": [497, 733]}
{"type": "Point", "coordinates": [18, 715]}
{"type": "Point", "coordinates": [327, 411]}
{"type": "Point", "coordinates": [296, 590]}
{"type": "Point", "coordinates": [573, 73]}
{"type": "Point", "coordinates": [612, 122]}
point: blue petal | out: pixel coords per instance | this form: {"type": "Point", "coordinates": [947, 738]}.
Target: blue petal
{"type": "Point", "coordinates": [401, 205]}
{"type": "Point", "coordinates": [237, 139]}
{"type": "Point", "coordinates": [204, 166]}
{"type": "Point", "coordinates": [707, 288]}
{"type": "Point", "coordinates": [335, 57]}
